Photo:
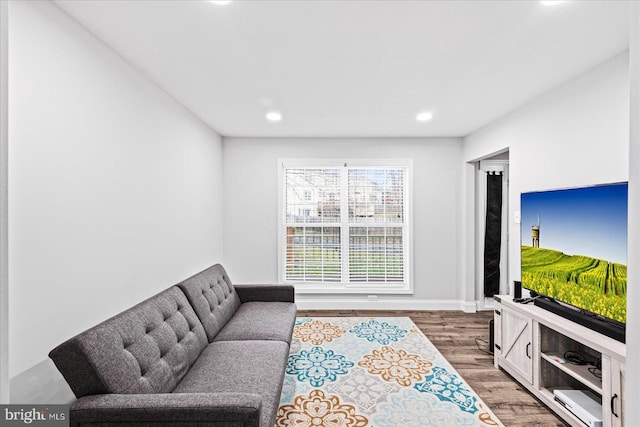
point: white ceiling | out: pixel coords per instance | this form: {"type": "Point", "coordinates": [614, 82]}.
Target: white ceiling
{"type": "Point", "coordinates": [356, 68]}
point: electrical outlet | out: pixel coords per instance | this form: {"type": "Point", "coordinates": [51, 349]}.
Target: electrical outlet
{"type": "Point", "coordinates": [373, 297]}
{"type": "Point", "coordinates": [516, 217]}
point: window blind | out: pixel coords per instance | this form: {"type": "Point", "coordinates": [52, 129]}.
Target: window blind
{"type": "Point", "coordinates": [345, 224]}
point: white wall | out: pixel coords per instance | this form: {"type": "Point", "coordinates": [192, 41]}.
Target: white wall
{"type": "Point", "coordinates": [575, 135]}
{"type": "Point", "coordinates": [114, 191]}
{"type": "Point", "coordinates": [250, 212]}
{"type": "Point", "coordinates": [632, 392]}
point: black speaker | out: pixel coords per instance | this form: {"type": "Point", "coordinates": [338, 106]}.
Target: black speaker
{"type": "Point", "coordinates": [517, 289]}
{"type": "Point", "coordinates": [491, 341]}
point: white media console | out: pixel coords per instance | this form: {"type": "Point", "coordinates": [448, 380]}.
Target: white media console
{"type": "Point", "coordinates": [531, 344]}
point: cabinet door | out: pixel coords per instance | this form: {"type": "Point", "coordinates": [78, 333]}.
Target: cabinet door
{"type": "Point", "coordinates": [497, 335]}
{"type": "Point", "coordinates": [616, 400]}
{"type": "Point", "coordinates": [516, 346]}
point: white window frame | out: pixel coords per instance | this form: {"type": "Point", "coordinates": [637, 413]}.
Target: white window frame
{"type": "Point", "coordinates": [405, 287]}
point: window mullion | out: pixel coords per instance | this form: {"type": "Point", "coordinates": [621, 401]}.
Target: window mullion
{"type": "Point", "coordinates": [344, 223]}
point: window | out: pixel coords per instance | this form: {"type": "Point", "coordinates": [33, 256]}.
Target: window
{"type": "Point", "coordinates": [345, 225]}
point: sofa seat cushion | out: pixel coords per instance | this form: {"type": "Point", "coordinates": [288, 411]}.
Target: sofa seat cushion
{"type": "Point", "coordinates": [255, 367]}
{"type": "Point", "coordinates": [271, 321]}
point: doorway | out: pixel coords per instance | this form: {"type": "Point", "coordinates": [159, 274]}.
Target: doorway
{"type": "Point", "coordinates": [497, 164]}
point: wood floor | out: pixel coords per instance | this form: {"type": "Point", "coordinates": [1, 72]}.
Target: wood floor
{"type": "Point", "coordinates": [455, 333]}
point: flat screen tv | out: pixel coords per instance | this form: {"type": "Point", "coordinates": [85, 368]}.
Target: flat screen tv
{"type": "Point", "coordinates": [574, 254]}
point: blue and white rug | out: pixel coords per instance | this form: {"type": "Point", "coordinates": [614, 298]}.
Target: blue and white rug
{"type": "Point", "coordinates": [373, 372]}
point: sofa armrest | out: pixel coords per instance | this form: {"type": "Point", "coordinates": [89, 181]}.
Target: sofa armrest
{"type": "Point", "coordinates": [266, 293]}
{"type": "Point", "coordinates": [184, 409]}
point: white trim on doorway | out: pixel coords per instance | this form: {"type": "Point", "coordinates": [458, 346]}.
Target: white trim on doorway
{"type": "Point", "coordinates": [498, 162]}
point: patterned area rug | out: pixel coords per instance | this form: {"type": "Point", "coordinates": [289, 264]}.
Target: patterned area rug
{"type": "Point", "coordinates": [373, 372]}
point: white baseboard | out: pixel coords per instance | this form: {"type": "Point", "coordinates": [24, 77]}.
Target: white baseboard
{"type": "Point", "coordinates": [469, 307]}
{"type": "Point", "coordinates": [340, 303]}
{"type": "Point", "coordinates": [486, 304]}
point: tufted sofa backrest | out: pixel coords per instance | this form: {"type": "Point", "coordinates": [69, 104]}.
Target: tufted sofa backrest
{"type": "Point", "coordinates": [213, 298]}
{"type": "Point", "coordinates": [146, 349]}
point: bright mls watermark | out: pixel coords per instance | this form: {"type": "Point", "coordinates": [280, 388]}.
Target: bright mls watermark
{"type": "Point", "coordinates": [37, 415]}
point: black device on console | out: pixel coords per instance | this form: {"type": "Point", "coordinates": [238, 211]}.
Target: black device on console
{"type": "Point", "coordinates": [517, 289]}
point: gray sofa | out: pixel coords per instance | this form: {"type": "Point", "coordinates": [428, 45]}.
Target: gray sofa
{"type": "Point", "coordinates": [203, 352]}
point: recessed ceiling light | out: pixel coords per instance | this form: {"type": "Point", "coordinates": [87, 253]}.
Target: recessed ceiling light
{"type": "Point", "coordinates": [220, 2]}
{"type": "Point", "coordinates": [274, 116]}
{"type": "Point", "coordinates": [551, 2]}
{"type": "Point", "coordinates": [425, 116]}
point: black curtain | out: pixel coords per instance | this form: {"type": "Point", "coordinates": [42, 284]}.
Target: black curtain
{"type": "Point", "coordinates": [493, 234]}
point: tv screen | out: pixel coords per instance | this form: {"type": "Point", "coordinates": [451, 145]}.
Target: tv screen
{"type": "Point", "coordinates": [574, 247]}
